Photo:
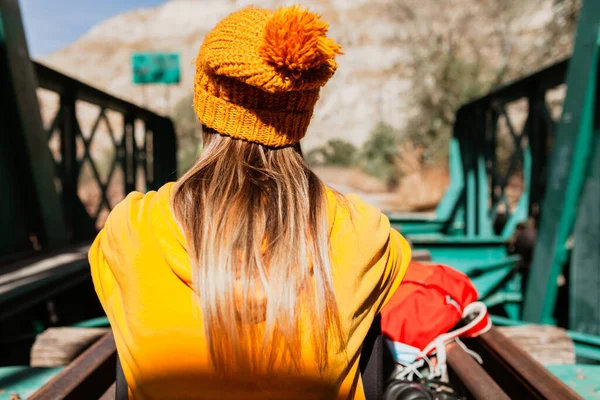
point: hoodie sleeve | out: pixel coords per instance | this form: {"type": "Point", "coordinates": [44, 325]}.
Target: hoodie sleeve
{"type": "Point", "coordinates": [400, 255]}
{"type": "Point", "coordinates": [102, 276]}
{"type": "Point", "coordinates": [109, 249]}
{"type": "Point", "coordinates": [388, 252]}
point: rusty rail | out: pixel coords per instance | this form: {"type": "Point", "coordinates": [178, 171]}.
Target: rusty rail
{"type": "Point", "coordinates": [110, 393]}
{"type": "Point", "coordinates": [473, 377]}
{"type": "Point", "coordinates": [89, 376]}
{"type": "Point", "coordinates": [516, 371]}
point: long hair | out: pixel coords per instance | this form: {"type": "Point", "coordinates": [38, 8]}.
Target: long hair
{"type": "Point", "coordinates": [255, 220]}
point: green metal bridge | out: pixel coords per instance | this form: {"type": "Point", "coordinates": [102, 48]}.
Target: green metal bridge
{"type": "Point", "coordinates": [533, 253]}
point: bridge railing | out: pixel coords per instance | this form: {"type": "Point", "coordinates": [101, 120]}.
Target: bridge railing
{"type": "Point", "coordinates": [124, 148]}
{"type": "Point", "coordinates": [505, 139]}
{"type": "Point", "coordinates": [499, 160]}
{"type": "Point", "coordinates": [499, 155]}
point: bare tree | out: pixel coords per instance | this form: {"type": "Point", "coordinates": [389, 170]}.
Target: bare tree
{"type": "Point", "coordinates": [460, 49]}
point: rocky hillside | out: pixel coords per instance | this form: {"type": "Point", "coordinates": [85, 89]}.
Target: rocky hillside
{"type": "Point", "coordinates": [408, 64]}
{"type": "Point", "coordinates": [383, 42]}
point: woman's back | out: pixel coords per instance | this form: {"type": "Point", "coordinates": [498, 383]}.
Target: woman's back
{"type": "Point", "coordinates": [143, 277]}
{"type": "Point", "coordinates": [248, 278]}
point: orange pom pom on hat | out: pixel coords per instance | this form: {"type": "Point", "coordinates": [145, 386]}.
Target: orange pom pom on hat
{"type": "Point", "coordinates": [259, 72]}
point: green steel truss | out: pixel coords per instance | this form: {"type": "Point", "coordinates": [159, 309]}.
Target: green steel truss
{"type": "Point", "coordinates": [550, 181]}
{"type": "Point", "coordinates": [571, 205]}
{"type": "Point", "coordinates": [40, 205]}
{"type": "Point", "coordinates": [476, 204]}
{"type": "Point", "coordinates": [144, 159]}
{"type": "Point", "coordinates": [29, 205]}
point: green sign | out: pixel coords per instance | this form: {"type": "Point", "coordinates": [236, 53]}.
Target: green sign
{"type": "Point", "coordinates": [155, 68]}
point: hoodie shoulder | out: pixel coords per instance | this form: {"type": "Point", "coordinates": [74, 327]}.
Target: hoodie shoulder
{"type": "Point", "coordinates": [125, 240]}
{"type": "Point", "coordinates": [125, 224]}
{"type": "Point", "coordinates": [355, 220]}
{"type": "Point", "coordinates": [131, 219]}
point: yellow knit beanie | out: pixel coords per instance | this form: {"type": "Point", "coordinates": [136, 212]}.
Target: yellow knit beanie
{"type": "Point", "coordinates": [259, 72]}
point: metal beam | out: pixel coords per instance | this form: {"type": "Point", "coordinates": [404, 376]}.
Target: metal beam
{"type": "Point", "coordinates": [36, 162]}
{"type": "Point", "coordinates": [569, 160]}
{"type": "Point", "coordinates": [517, 372]}
{"type": "Point", "coordinates": [480, 385]}
{"type": "Point", "coordinates": [584, 282]}
{"type": "Point", "coordinates": [88, 377]}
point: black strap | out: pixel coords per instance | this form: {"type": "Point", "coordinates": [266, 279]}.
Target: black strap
{"type": "Point", "coordinates": [122, 390]}
{"type": "Point", "coordinates": [376, 363]}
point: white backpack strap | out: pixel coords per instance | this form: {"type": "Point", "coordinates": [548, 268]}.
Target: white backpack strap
{"type": "Point", "coordinates": [479, 325]}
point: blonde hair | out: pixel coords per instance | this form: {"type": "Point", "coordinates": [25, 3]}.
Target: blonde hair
{"type": "Point", "coordinates": [255, 219]}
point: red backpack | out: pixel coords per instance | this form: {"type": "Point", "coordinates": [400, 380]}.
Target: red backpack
{"type": "Point", "coordinates": [431, 300]}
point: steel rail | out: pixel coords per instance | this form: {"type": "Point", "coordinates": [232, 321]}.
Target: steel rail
{"type": "Point", "coordinates": [516, 371]}
{"type": "Point", "coordinates": [89, 376]}
{"type": "Point", "coordinates": [474, 378]}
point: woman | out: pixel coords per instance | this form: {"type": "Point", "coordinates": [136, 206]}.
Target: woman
{"type": "Point", "coordinates": [248, 278]}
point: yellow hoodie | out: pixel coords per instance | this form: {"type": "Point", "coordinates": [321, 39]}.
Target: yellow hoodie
{"type": "Point", "coordinates": [142, 275]}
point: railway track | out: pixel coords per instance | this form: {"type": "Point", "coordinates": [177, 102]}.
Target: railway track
{"type": "Point", "coordinates": [507, 372]}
